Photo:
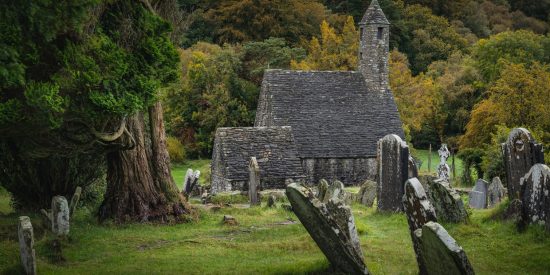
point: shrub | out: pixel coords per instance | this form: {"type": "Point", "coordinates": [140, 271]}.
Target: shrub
{"type": "Point", "coordinates": [175, 150]}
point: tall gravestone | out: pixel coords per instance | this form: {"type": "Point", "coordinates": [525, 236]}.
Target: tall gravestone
{"type": "Point", "coordinates": [254, 181]}
{"type": "Point", "coordinates": [419, 211]}
{"type": "Point", "coordinates": [393, 163]}
{"type": "Point", "coordinates": [477, 198]}
{"type": "Point", "coordinates": [443, 170]}
{"type": "Point", "coordinates": [60, 216]}
{"type": "Point", "coordinates": [26, 245]}
{"type": "Point", "coordinates": [440, 252]}
{"type": "Point", "coordinates": [520, 153]}
{"type": "Point", "coordinates": [190, 181]}
{"type": "Point", "coordinates": [535, 190]}
{"type": "Point", "coordinates": [495, 192]}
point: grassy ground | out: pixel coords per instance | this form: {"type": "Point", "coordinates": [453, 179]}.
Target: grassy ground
{"type": "Point", "coordinates": [260, 245]}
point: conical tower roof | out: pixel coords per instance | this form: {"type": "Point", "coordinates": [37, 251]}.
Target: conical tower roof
{"type": "Point", "coordinates": [374, 15]}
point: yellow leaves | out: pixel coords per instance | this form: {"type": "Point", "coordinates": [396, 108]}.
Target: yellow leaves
{"type": "Point", "coordinates": [520, 97]}
{"type": "Point", "coordinates": [333, 51]}
{"type": "Point", "coordinates": [417, 97]}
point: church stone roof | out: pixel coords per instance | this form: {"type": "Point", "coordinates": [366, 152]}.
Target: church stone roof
{"type": "Point", "coordinates": [374, 15]}
{"type": "Point", "coordinates": [332, 114]}
{"type": "Point", "coordinates": [273, 147]}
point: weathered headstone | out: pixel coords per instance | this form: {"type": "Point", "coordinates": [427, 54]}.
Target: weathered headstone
{"type": "Point", "coordinates": [419, 211]}
{"type": "Point", "coordinates": [332, 227]}
{"type": "Point", "coordinates": [393, 163]}
{"type": "Point", "coordinates": [520, 153]}
{"type": "Point", "coordinates": [322, 189]}
{"type": "Point", "coordinates": [495, 192]}
{"type": "Point", "coordinates": [334, 191]}
{"type": "Point", "coordinates": [75, 199]}
{"type": "Point", "coordinates": [440, 252]}
{"type": "Point", "coordinates": [190, 181]}
{"type": "Point", "coordinates": [367, 193]}
{"type": "Point", "coordinates": [443, 170]}
{"type": "Point", "coordinates": [446, 201]}
{"type": "Point", "coordinates": [254, 181]}
{"type": "Point", "coordinates": [478, 196]}
{"type": "Point", "coordinates": [60, 216]}
{"type": "Point", "coordinates": [271, 200]}
{"type": "Point", "coordinates": [535, 190]}
{"type": "Point", "coordinates": [26, 245]}
{"type": "Point", "coordinates": [413, 168]}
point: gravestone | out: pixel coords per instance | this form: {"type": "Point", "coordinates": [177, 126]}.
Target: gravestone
{"type": "Point", "coordinates": [393, 163]}
{"type": "Point", "coordinates": [60, 216]}
{"type": "Point", "coordinates": [440, 252]}
{"type": "Point", "coordinates": [495, 192]}
{"type": "Point", "coordinates": [332, 227]}
{"type": "Point", "coordinates": [419, 211]}
{"type": "Point", "coordinates": [334, 191]}
{"type": "Point", "coordinates": [478, 196]}
{"type": "Point", "coordinates": [443, 170]}
{"type": "Point", "coordinates": [446, 201]}
{"type": "Point", "coordinates": [322, 189]}
{"type": "Point", "coordinates": [535, 190]}
{"type": "Point", "coordinates": [191, 181]}
{"type": "Point", "coordinates": [75, 199]}
{"type": "Point", "coordinates": [26, 245]}
{"type": "Point", "coordinates": [413, 169]}
{"type": "Point", "coordinates": [367, 193]}
{"type": "Point", "coordinates": [254, 181]}
{"type": "Point", "coordinates": [520, 153]}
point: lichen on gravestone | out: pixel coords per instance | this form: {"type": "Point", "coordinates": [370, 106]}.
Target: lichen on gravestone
{"type": "Point", "coordinates": [535, 196]}
{"type": "Point", "coordinates": [495, 192]}
{"type": "Point", "coordinates": [477, 198]}
{"type": "Point", "coordinates": [60, 216]}
{"type": "Point", "coordinates": [446, 201]}
{"type": "Point", "coordinates": [367, 193]}
{"type": "Point", "coordinates": [440, 252]}
{"type": "Point", "coordinates": [332, 227]}
{"type": "Point", "coordinates": [393, 166]}
{"type": "Point", "coordinates": [26, 245]}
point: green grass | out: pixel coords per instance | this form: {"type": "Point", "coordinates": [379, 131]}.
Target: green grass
{"type": "Point", "coordinates": [259, 245]}
{"type": "Point", "coordinates": [203, 165]}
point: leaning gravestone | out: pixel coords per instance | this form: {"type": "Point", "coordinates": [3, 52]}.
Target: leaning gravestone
{"type": "Point", "coordinates": [26, 245]}
{"type": "Point", "coordinates": [419, 211]}
{"type": "Point", "coordinates": [535, 190]}
{"type": "Point", "coordinates": [478, 195]}
{"type": "Point", "coordinates": [443, 170]}
{"type": "Point", "coordinates": [367, 193]}
{"type": "Point", "coordinates": [322, 189]}
{"type": "Point", "coordinates": [60, 216]}
{"type": "Point", "coordinates": [520, 153]}
{"type": "Point", "coordinates": [334, 191]}
{"type": "Point", "coordinates": [495, 192]}
{"type": "Point", "coordinates": [440, 252]}
{"type": "Point", "coordinates": [393, 163]}
{"type": "Point", "coordinates": [332, 227]}
{"type": "Point", "coordinates": [254, 181]}
{"type": "Point", "coordinates": [446, 201]}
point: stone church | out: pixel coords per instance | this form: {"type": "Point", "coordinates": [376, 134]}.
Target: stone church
{"type": "Point", "coordinates": [336, 118]}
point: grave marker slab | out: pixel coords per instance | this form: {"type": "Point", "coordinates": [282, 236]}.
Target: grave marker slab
{"type": "Point", "coordinates": [535, 190]}
{"type": "Point", "coordinates": [393, 163]}
{"type": "Point", "coordinates": [26, 245]}
{"type": "Point", "coordinates": [60, 216]}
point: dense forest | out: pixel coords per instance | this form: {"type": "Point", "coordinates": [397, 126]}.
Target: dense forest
{"type": "Point", "coordinates": [462, 72]}
{"type": "Point", "coordinates": [88, 78]}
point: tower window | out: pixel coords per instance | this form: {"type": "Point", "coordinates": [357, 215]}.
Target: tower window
{"type": "Point", "coordinates": [361, 56]}
{"type": "Point", "coordinates": [361, 33]}
{"type": "Point", "coordinates": [380, 33]}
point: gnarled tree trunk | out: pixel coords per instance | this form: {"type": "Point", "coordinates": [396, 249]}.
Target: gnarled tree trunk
{"type": "Point", "coordinates": [140, 186]}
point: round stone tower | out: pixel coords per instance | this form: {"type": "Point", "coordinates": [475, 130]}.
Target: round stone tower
{"type": "Point", "coordinates": [374, 30]}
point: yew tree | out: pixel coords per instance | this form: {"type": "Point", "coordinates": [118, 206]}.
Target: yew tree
{"type": "Point", "coordinates": [78, 87]}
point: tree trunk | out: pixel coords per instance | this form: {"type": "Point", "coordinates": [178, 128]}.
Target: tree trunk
{"type": "Point", "coordinates": [139, 184]}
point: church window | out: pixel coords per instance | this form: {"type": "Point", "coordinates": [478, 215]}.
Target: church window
{"type": "Point", "coordinates": [380, 33]}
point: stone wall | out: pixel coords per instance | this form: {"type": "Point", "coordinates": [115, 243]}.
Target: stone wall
{"type": "Point", "coordinates": [350, 171]}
